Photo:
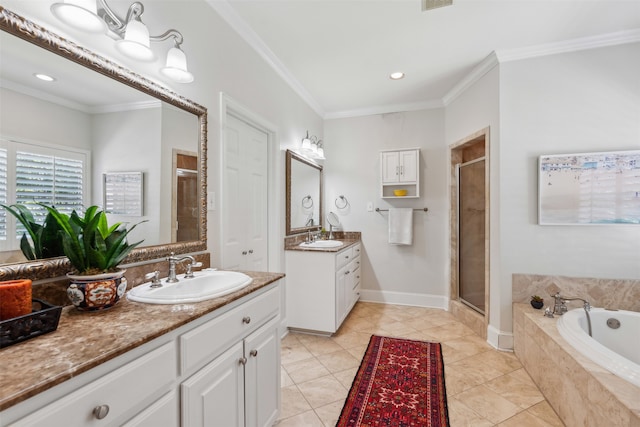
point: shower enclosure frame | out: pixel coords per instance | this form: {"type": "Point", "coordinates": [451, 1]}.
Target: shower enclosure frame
{"type": "Point", "coordinates": [469, 148]}
{"type": "Point", "coordinates": [462, 298]}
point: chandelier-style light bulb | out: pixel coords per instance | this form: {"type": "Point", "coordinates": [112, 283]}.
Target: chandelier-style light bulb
{"type": "Point", "coordinates": [136, 43]}
{"type": "Point", "coordinates": [306, 142]}
{"type": "Point", "coordinates": [80, 14]}
{"type": "Point", "coordinates": [176, 68]}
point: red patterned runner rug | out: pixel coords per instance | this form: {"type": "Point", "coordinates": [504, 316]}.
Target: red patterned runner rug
{"type": "Point", "coordinates": [400, 383]}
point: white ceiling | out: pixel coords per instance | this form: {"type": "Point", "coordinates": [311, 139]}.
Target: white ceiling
{"type": "Point", "coordinates": [338, 54]}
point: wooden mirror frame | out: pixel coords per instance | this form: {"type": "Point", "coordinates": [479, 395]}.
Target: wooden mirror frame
{"type": "Point", "coordinates": [55, 267]}
{"type": "Point", "coordinates": [289, 230]}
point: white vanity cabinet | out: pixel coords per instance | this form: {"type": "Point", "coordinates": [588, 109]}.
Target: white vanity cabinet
{"type": "Point", "coordinates": [222, 369]}
{"type": "Point", "coordinates": [399, 170]}
{"type": "Point", "coordinates": [240, 386]}
{"type": "Point", "coordinates": [322, 288]}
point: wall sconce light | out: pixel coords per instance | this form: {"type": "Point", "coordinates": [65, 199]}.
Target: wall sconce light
{"type": "Point", "coordinates": [312, 147]}
{"type": "Point", "coordinates": [133, 39]}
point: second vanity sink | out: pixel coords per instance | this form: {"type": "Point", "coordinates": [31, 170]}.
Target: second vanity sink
{"type": "Point", "coordinates": [322, 244]}
{"type": "Point", "coordinates": [207, 284]}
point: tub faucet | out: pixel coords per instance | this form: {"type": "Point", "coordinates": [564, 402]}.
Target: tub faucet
{"type": "Point", "coordinates": [174, 260]}
{"type": "Point", "coordinates": [560, 304]}
{"type": "Point", "coordinates": [560, 307]}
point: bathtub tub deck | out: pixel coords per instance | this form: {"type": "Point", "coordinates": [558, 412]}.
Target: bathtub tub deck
{"type": "Point", "coordinates": [581, 392]}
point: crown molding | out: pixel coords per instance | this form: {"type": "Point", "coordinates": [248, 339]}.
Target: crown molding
{"type": "Point", "coordinates": [486, 65]}
{"type": "Point", "coordinates": [518, 54]}
{"type": "Point", "coordinates": [228, 13]}
{"type": "Point", "coordinates": [571, 45]}
{"type": "Point", "coordinates": [384, 109]}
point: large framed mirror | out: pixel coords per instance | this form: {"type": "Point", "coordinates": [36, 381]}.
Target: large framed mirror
{"type": "Point", "coordinates": [304, 194]}
{"type": "Point", "coordinates": [120, 122]}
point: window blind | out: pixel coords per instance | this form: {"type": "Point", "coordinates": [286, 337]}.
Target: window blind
{"type": "Point", "coordinates": [31, 173]}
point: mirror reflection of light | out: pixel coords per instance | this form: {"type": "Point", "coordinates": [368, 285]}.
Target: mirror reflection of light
{"type": "Point", "coordinates": [44, 77]}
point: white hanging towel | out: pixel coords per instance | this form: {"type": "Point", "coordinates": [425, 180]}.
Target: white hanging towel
{"type": "Point", "coordinates": [400, 226]}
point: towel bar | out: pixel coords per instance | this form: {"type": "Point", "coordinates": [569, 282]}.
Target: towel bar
{"type": "Point", "coordinates": [387, 210]}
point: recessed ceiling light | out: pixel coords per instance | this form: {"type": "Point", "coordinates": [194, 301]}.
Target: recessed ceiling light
{"type": "Point", "coordinates": [44, 77]}
{"type": "Point", "coordinates": [396, 76]}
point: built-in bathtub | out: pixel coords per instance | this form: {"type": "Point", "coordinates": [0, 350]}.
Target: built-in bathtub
{"type": "Point", "coordinates": [615, 340]}
{"type": "Point", "coordinates": [582, 393]}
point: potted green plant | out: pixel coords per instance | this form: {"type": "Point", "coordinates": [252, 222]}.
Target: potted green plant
{"type": "Point", "coordinates": [95, 250]}
{"type": "Point", "coordinates": [537, 302]}
{"type": "Point", "coordinates": [44, 240]}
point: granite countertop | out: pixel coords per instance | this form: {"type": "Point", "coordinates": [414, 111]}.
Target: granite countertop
{"type": "Point", "coordinates": [86, 340]}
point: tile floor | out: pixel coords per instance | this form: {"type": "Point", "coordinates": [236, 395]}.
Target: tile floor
{"type": "Point", "coordinates": [485, 387]}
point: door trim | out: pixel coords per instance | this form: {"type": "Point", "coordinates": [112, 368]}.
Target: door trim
{"type": "Point", "coordinates": [229, 106]}
{"type": "Point", "coordinates": [465, 314]}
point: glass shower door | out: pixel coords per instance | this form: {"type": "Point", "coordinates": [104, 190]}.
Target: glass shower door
{"type": "Point", "coordinates": [471, 234]}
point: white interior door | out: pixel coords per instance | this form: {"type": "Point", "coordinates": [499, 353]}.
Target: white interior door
{"type": "Point", "coordinates": [245, 210]}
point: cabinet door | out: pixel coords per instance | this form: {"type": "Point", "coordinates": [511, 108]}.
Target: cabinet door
{"type": "Point", "coordinates": [390, 167]}
{"type": "Point", "coordinates": [408, 166]}
{"type": "Point", "coordinates": [214, 397]}
{"type": "Point", "coordinates": [262, 375]}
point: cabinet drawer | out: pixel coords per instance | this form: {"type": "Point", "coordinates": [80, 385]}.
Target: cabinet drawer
{"type": "Point", "coordinates": [163, 412]}
{"type": "Point", "coordinates": [343, 258]}
{"type": "Point", "coordinates": [204, 343]}
{"type": "Point", "coordinates": [356, 250]}
{"type": "Point", "coordinates": [123, 391]}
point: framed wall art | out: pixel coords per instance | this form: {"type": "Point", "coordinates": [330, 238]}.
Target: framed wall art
{"type": "Point", "coordinates": [123, 193]}
{"type": "Point", "coordinates": [589, 188]}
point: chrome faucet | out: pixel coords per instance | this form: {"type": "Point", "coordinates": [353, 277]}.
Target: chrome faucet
{"type": "Point", "coordinates": [310, 237]}
{"type": "Point", "coordinates": [560, 308]}
{"type": "Point", "coordinates": [560, 304]}
{"type": "Point", "coordinates": [174, 260]}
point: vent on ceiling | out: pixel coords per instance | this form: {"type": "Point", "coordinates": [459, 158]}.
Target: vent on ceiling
{"type": "Point", "coordinates": [433, 4]}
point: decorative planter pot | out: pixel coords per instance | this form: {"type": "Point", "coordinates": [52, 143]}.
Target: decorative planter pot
{"type": "Point", "coordinates": [537, 304]}
{"type": "Point", "coordinates": [96, 292]}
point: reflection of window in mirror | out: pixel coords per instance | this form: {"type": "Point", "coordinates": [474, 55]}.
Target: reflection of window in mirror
{"type": "Point", "coordinates": [185, 196]}
{"type": "Point", "coordinates": [39, 172]}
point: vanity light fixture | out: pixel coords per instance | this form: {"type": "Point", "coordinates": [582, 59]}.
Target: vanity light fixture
{"type": "Point", "coordinates": [133, 39]}
{"type": "Point", "coordinates": [396, 76]}
{"type": "Point", "coordinates": [312, 147]}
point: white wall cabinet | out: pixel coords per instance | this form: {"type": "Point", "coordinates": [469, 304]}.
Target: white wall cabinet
{"type": "Point", "coordinates": [322, 288]}
{"type": "Point", "coordinates": [222, 369]}
{"type": "Point", "coordinates": [400, 169]}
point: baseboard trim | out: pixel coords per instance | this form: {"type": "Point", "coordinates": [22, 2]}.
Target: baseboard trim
{"type": "Point", "coordinates": [501, 340]}
{"type": "Point", "coordinates": [405, 298]}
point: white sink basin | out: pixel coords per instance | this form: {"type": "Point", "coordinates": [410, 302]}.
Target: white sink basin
{"type": "Point", "coordinates": [322, 244]}
{"type": "Point", "coordinates": [207, 284]}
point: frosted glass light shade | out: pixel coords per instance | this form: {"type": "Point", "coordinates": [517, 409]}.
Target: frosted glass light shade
{"type": "Point", "coordinates": [136, 43]}
{"type": "Point", "coordinates": [176, 68]}
{"type": "Point", "coordinates": [306, 143]}
{"type": "Point", "coordinates": [80, 14]}
{"type": "Point", "coordinates": [320, 153]}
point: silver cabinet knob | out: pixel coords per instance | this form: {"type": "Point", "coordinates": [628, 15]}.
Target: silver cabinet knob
{"type": "Point", "coordinates": [244, 252]}
{"type": "Point", "coordinates": [253, 353]}
{"type": "Point", "coordinates": [101, 411]}
{"type": "Point", "coordinates": [250, 251]}
{"type": "Point", "coordinates": [242, 361]}
{"type": "Point", "coordinates": [346, 272]}
{"type": "Point", "coordinates": [246, 320]}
